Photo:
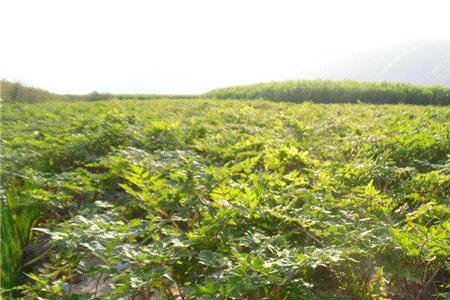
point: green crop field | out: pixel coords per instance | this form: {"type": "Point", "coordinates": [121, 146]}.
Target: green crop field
{"type": "Point", "coordinates": [343, 91]}
{"type": "Point", "coordinates": [225, 199]}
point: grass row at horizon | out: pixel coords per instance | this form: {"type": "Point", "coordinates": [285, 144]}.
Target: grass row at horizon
{"type": "Point", "coordinates": [320, 91]}
{"type": "Point", "coordinates": [330, 91]}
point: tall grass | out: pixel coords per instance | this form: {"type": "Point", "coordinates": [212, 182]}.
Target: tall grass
{"type": "Point", "coordinates": [18, 92]}
{"type": "Point", "coordinates": [17, 217]}
{"type": "Point", "coordinates": [327, 91]}
{"type": "Point", "coordinates": [153, 96]}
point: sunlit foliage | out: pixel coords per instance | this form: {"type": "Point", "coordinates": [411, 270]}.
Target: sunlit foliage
{"type": "Point", "coordinates": [227, 199]}
{"type": "Point", "coordinates": [328, 91]}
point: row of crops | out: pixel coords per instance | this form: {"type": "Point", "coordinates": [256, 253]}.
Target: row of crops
{"type": "Point", "coordinates": [321, 91]}
{"type": "Point", "coordinates": [208, 199]}
{"type": "Point", "coordinates": [327, 91]}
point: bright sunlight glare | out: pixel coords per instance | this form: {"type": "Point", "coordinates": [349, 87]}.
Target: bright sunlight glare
{"type": "Point", "coordinates": [177, 46]}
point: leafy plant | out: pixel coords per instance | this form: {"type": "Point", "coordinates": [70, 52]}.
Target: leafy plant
{"type": "Point", "coordinates": [228, 199]}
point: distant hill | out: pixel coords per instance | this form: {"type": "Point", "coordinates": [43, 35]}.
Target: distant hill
{"type": "Point", "coordinates": [419, 62]}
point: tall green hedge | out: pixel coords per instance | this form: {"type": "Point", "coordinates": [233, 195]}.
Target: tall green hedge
{"type": "Point", "coordinates": [346, 91]}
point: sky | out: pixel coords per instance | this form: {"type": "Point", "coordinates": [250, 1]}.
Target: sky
{"type": "Point", "coordinates": [180, 46]}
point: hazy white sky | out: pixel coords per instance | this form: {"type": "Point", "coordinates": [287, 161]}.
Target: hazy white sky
{"type": "Point", "coordinates": [181, 46]}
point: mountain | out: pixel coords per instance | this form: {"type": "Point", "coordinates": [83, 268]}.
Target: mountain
{"type": "Point", "coordinates": [419, 62]}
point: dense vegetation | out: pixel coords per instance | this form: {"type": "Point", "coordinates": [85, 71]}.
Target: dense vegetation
{"type": "Point", "coordinates": [320, 91]}
{"type": "Point", "coordinates": [225, 199]}
{"type": "Point", "coordinates": [347, 91]}
{"type": "Point", "coordinates": [152, 96]}
{"type": "Point", "coordinates": [18, 92]}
